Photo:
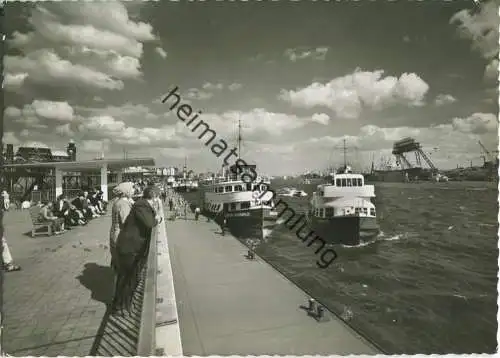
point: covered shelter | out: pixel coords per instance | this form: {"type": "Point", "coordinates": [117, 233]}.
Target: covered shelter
{"type": "Point", "coordinates": [102, 167]}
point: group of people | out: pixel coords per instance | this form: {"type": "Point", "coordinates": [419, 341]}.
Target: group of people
{"type": "Point", "coordinates": [64, 214]}
{"type": "Point", "coordinates": [129, 239]}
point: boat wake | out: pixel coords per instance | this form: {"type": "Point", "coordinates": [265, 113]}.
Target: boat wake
{"type": "Point", "coordinates": [381, 237]}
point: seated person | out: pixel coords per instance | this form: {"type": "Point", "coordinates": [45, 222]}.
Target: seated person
{"type": "Point", "coordinates": [94, 201]}
{"type": "Point", "coordinates": [81, 204]}
{"type": "Point", "coordinates": [46, 215]}
{"type": "Point", "coordinates": [77, 215]}
{"type": "Point", "coordinates": [90, 207]}
{"type": "Point", "coordinates": [61, 210]}
{"type": "Point", "coordinates": [103, 204]}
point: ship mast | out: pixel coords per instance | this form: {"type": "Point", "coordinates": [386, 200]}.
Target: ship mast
{"type": "Point", "coordinates": [345, 155]}
{"type": "Point", "coordinates": [239, 138]}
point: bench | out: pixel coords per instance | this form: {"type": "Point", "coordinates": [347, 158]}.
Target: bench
{"type": "Point", "coordinates": [37, 224]}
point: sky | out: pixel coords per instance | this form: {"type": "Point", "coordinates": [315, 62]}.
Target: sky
{"type": "Point", "coordinates": [302, 77]}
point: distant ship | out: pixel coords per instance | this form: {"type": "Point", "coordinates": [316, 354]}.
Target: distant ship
{"type": "Point", "coordinates": [292, 192]}
{"type": "Point", "coordinates": [342, 212]}
{"type": "Point", "coordinates": [185, 185]}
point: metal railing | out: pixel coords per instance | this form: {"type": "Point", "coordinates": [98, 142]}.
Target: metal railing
{"type": "Point", "coordinates": [146, 344]}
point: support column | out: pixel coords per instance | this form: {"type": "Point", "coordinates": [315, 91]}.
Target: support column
{"type": "Point", "coordinates": [119, 176]}
{"type": "Point", "coordinates": [104, 181]}
{"type": "Point", "coordinates": [59, 182]}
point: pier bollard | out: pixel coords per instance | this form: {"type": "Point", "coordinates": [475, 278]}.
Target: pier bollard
{"type": "Point", "coordinates": [320, 314]}
{"type": "Point", "coordinates": [311, 305]}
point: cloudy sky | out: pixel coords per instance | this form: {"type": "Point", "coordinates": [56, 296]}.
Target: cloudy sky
{"type": "Point", "coordinates": [301, 76]}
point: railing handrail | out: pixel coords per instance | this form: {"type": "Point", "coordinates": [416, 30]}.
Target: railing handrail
{"type": "Point", "coordinates": [147, 331]}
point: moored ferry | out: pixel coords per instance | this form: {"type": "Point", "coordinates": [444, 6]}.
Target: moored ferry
{"type": "Point", "coordinates": [247, 215]}
{"type": "Point", "coordinates": [342, 211]}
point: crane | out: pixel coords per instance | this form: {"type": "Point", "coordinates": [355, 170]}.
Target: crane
{"type": "Point", "coordinates": [486, 152]}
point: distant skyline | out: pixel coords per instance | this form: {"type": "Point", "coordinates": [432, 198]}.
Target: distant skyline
{"type": "Point", "coordinates": [301, 76]}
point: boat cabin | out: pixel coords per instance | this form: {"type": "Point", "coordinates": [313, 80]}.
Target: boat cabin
{"type": "Point", "coordinates": [348, 180]}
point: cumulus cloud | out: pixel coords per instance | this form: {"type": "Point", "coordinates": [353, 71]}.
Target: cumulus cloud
{"type": "Point", "coordinates": [93, 45]}
{"type": "Point", "coordinates": [128, 112]}
{"type": "Point", "coordinates": [346, 96]}
{"type": "Point", "coordinates": [301, 53]}
{"type": "Point", "coordinates": [196, 94]}
{"type": "Point", "coordinates": [161, 52]}
{"type": "Point", "coordinates": [107, 127]}
{"type": "Point", "coordinates": [213, 86]}
{"type": "Point", "coordinates": [10, 138]}
{"type": "Point", "coordinates": [46, 67]}
{"type": "Point", "coordinates": [234, 86]}
{"type": "Point", "coordinates": [481, 28]}
{"type": "Point", "coordinates": [477, 123]}
{"type": "Point", "coordinates": [321, 118]}
{"type": "Point", "coordinates": [95, 146]}
{"type": "Point", "coordinates": [64, 130]}
{"type": "Point", "coordinates": [443, 99]}
{"type": "Point", "coordinates": [41, 109]}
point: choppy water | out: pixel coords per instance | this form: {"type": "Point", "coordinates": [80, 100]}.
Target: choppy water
{"type": "Point", "coordinates": [428, 284]}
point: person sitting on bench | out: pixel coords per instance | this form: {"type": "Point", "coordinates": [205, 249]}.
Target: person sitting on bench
{"type": "Point", "coordinates": [61, 210]}
{"type": "Point", "coordinates": [46, 215]}
{"type": "Point", "coordinates": [81, 204]}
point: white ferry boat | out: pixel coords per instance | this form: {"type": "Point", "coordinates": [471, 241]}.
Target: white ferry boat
{"type": "Point", "coordinates": [232, 198]}
{"type": "Point", "coordinates": [342, 211]}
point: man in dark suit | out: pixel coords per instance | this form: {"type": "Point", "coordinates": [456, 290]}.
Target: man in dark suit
{"type": "Point", "coordinates": [132, 247]}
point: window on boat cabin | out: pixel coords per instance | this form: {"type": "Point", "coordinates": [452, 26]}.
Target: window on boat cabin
{"type": "Point", "coordinates": [357, 211]}
{"type": "Point", "coordinates": [220, 189]}
{"type": "Point", "coordinates": [329, 212]}
{"type": "Point", "coordinates": [372, 211]}
{"type": "Point", "coordinates": [316, 212]}
{"type": "Point", "coordinates": [232, 207]}
{"type": "Point", "coordinates": [348, 181]}
{"type": "Point", "coordinates": [249, 187]}
{"type": "Point", "coordinates": [338, 182]}
{"type": "Point", "coordinates": [344, 182]}
{"type": "Point", "coordinates": [360, 182]}
{"type": "Point", "coordinates": [322, 213]}
{"type": "Point", "coordinates": [238, 188]}
{"type": "Point", "coordinates": [245, 205]}
{"type": "Point", "coordinates": [365, 211]}
{"type": "Point", "coordinates": [228, 189]}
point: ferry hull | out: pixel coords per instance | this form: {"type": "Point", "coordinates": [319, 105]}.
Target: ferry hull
{"type": "Point", "coordinates": [345, 230]}
{"type": "Point", "coordinates": [247, 224]}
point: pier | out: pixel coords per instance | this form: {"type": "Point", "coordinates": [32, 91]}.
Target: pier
{"type": "Point", "coordinates": [199, 295]}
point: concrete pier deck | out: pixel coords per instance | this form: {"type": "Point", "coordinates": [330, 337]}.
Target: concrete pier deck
{"type": "Point", "coordinates": [228, 305]}
{"type": "Point", "coordinates": [57, 304]}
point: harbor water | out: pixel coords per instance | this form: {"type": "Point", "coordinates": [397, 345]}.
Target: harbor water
{"type": "Point", "coordinates": [427, 284]}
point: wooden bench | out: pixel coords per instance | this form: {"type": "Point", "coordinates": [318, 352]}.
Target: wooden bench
{"type": "Point", "coordinates": [37, 224]}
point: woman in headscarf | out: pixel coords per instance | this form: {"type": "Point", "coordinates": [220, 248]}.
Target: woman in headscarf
{"type": "Point", "coordinates": [119, 213]}
{"type": "Point", "coordinates": [132, 248]}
